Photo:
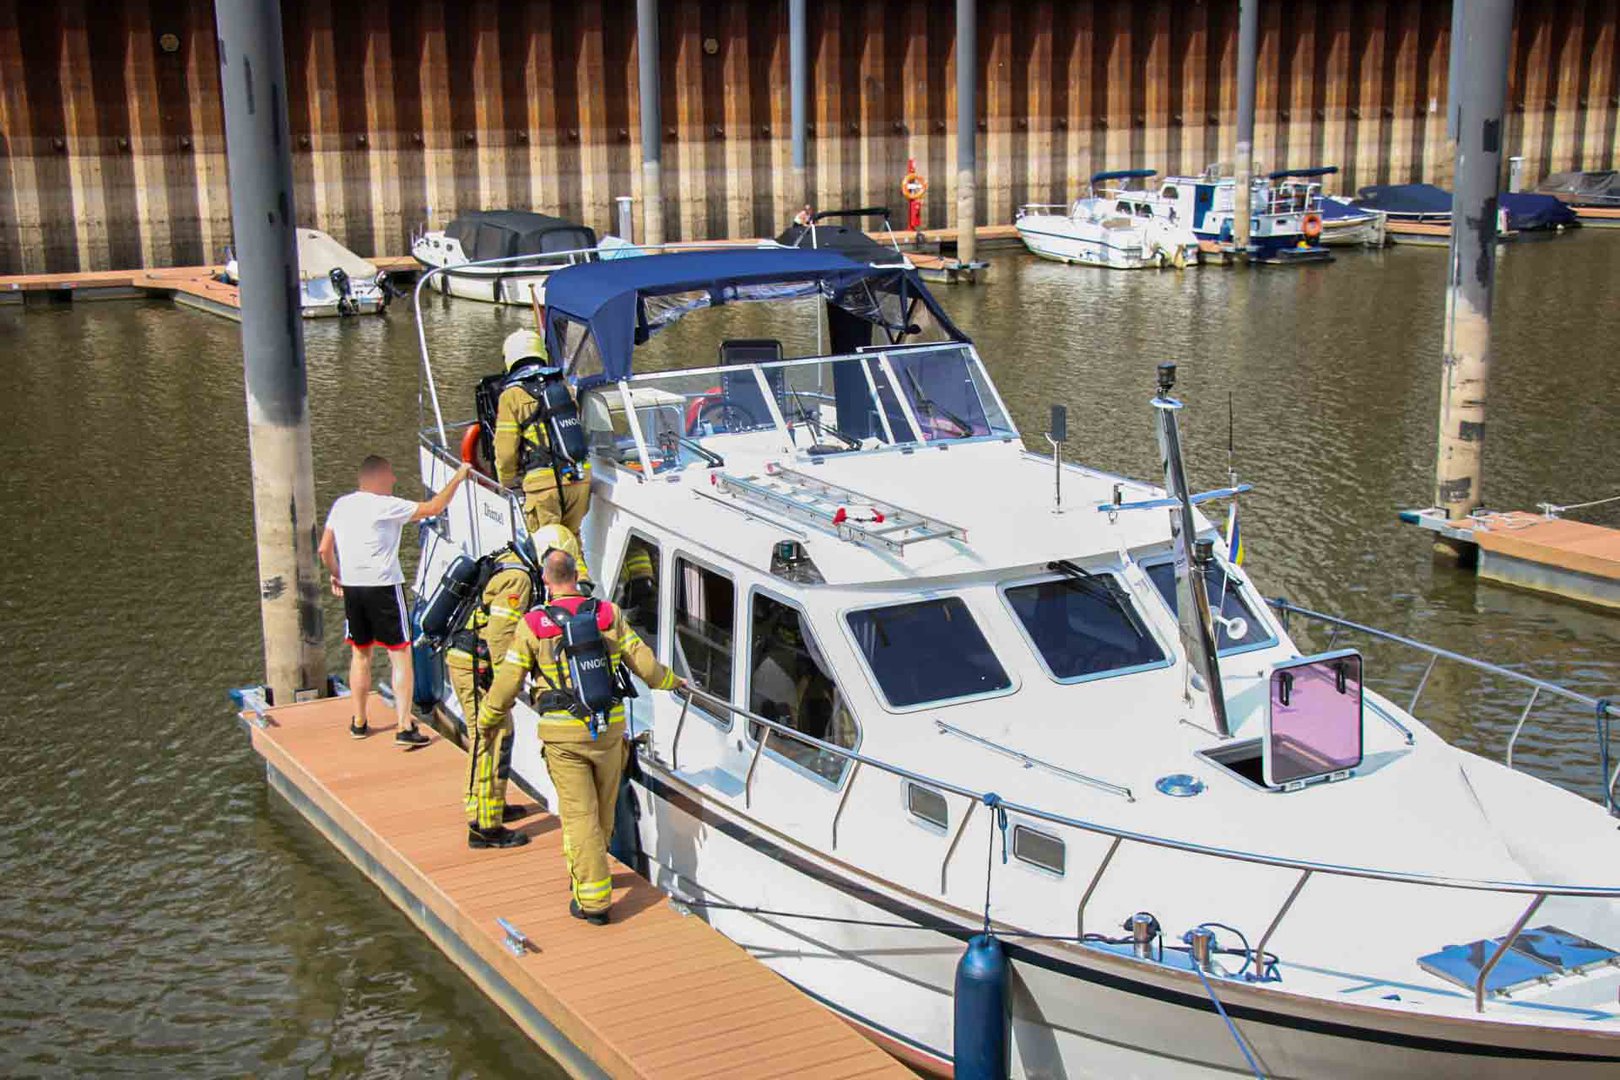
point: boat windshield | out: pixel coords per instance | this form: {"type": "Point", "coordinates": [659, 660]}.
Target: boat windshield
{"type": "Point", "coordinates": [815, 405]}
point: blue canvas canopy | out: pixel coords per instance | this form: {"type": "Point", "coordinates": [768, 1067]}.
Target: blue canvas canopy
{"type": "Point", "coordinates": [618, 305]}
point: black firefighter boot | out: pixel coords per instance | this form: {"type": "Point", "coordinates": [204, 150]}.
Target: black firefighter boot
{"type": "Point", "coordinates": [498, 837]}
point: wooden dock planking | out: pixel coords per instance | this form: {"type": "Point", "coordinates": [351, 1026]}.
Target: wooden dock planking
{"type": "Point", "coordinates": [653, 994]}
{"type": "Point", "coordinates": [1573, 559]}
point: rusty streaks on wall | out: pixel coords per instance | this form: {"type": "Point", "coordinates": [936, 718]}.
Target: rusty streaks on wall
{"type": "Point", "coordinates": [112, 149]}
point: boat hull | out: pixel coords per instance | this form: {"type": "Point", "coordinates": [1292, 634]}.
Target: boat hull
{"type": "Point", "coordinates": [492, 286]}
{"type": "Point", "coordinates": [1061, 240]}
{"type": "Point", "coordinates": [1077, 1011]}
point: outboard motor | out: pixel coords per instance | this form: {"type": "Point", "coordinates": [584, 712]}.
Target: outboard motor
{"type": "Point", "coordinates": [590, 670]}
{"type": "Point", "coordinates": [447, 609]}
{"type": "Point", "coordinates": [340, 284]}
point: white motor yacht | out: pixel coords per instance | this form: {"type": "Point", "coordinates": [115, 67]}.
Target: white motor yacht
{"type": "Point", "coordinates": [502, 256]}
{"type": "Point", "coordinates": [943, 685]}
{"type": "Point", "coordinates": [1109, 226]}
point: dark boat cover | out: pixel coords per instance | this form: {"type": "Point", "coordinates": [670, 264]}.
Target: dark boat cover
{"type": "Point", "coordinates": [1339, 210]}
{"type": "Point", "coordinates": [617, 305]}
{"type": "Point", "coordinates": [1405, 198]}
{"type": "Point", "coordinates": [504, 234]}
{"type": "Point", "coordinates": [1526, 211]}
{"type": "Point", "coordinates": [842, 239]}
{"type": "Point", "coordinates": [1583, 188]}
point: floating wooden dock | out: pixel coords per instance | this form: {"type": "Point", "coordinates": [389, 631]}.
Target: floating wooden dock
{"type": "Point", "coordinates": [1573, 559]}
{"type": "Point", "coordinates": [653, 994]}
{"type": "Point", "coordinates": [197, 287]}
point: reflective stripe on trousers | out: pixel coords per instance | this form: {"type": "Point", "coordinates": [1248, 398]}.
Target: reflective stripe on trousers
{"type": "Point", "coordinates": [586, 776]}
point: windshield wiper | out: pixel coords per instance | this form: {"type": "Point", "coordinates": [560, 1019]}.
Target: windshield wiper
{"type": "Point", "coordinates": [817, 427]}
{"type": "Point", "coordinates": [1103, 588]}
{"type": "Point", "coordinates": [925, 402]}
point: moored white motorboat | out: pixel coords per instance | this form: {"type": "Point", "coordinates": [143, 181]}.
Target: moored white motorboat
{"type": "Point", "coordinates": [500, 239]}
{"type": "Point", "coordinates": [332, 280]}
{"type": "Point", "coordinates": [926, 702]}
{"type": "Point", "coordinates": [1109, 226]}
{"type": "Point", "coordinates": [1344, 224]}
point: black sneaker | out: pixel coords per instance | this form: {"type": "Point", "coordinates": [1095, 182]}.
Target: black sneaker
{"type": "Point", "coordinates": [410, 738]}
{"type": "Point", "coordinates": [498, 837]}
{"type": "Point", "coordinates": [358, 731]}
{"type": "Point", "coordinates": [595, 918]}
{"type": "Point", "coordinates": [514, 813]}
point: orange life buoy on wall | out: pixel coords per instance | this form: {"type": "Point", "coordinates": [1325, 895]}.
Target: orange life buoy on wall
{"type": "Point", "coordinates": [1311, 225]}
{"type": "Point", "coordinates": [913, 187]}
{"type": "Point", "coordinates": [469, 445]}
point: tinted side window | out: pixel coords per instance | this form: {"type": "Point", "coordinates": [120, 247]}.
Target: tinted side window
{"type": "Point", "coordinates": [789, 682]}
{"type": "Point", "coordinates": [931, 650]}
{"type": "Point", "coordinates": [636, 592]}
{"type": "Point", "coordinates": [1231, 606]}
{"type": "Point", "coordinates": [1083, 627]}
{"type": "Point", "coordinates": [705, 612]}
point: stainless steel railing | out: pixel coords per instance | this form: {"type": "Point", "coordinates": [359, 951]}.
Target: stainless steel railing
{"type": "Point", "coordinates": [1538, 892]}
{"type": "Point", "coordinates": [1603, 709]}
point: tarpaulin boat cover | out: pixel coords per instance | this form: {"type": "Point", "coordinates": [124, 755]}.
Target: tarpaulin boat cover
{"type": "Point", "coordinates": [617, 305]}
{"type": "Point", "coordinates": [1336, 209]}
{"type": "Point", "coordinates": [1528, 211]}
{"type": "Point", "coordinates": [504, 234]}
{"type": "Point", "coordinates": [1599, 188]}
{"type": "Point", "coordinates": [1405, 198]}
{"type": "Point", "coordinates": [319, 254]}
{"type": "Point", "coordinates": [843, 239]}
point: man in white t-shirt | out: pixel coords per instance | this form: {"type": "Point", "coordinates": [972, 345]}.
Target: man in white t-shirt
{"type": "Point", "coordinates": [361, 551]}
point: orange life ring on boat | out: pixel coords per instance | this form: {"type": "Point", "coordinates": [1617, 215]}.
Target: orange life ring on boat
{"type": "Point", "coordinates": [1311, 225]}
{"type": "Point", "coordinates": [469, 445]}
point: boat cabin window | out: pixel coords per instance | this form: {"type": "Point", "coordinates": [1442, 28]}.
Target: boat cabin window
{"type": "Point", "coordinates": [1083, 628]}
{"type": "Point", "coordinates": [926, 651]}
{"type": "Point", "coordinates": [1038, 849]}
{"type": "Point", "coordinates": [927, 805]}
{"type": "Point", "coordinates": [636, 592]}
{"type": "Point", "coordinates": [1226, 598]}
{"type": "Point", "coordinates": [705, 614]}
{"type": "Point", "coordinates": [789, 681]}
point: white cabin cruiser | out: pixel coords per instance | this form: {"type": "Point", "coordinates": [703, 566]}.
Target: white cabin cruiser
{"type": "Point", "coordinates": [332, 280]}
{"type": "Point", "coordinates": [926, 703]}
{"type": "Point", "coordinates": [502, 256]}
{"type": "Point", "coordinates": [1111, 226]}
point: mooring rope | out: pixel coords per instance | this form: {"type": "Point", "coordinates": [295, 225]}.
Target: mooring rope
{"type": "Point", "coordinates": [1254, 1067]}
{"type": "Point", "coordinates": [1553, 509]}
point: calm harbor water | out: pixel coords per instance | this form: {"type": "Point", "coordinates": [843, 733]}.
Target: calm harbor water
{"type": "Point", "coordinates": [164, 914]}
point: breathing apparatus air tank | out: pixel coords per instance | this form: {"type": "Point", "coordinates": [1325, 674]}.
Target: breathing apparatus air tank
{"type": "Point", "coordinates": [426, 665]}
{"type": "Point", "coordinates": [451, 603]}
{"type": "Point", "coordinates": [590, 669]}
{"type": "Point", "coordinates": [983, 1011]}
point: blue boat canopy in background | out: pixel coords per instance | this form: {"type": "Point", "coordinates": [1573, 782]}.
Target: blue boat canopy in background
{"type": "Point", "coordinates": [1526, 211]}
{"type": "Point", "coordinates": [600, 311]}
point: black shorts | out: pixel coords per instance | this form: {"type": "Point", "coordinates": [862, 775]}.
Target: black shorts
{"type": "Point", "coordinates": [375, 615]}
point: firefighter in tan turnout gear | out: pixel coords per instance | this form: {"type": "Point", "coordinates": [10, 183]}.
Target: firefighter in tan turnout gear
{"type": "Point", "coordinates": [473, 655]}
{"type": "Point", "coordinates": [540, 446]}
{"type": "Point", "coordinates": [575, 649]}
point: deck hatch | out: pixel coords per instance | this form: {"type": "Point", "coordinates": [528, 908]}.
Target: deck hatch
{"type": "Point", "coordinates": [1563, 950]}
{"type": "Point", "coordinates": [1460, 965]}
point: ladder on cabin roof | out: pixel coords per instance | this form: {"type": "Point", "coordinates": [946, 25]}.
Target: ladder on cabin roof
{"type": "Point", "coordinates": [844, 512]}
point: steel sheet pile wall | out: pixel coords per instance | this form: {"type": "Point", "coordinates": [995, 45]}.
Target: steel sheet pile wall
{"type": "Point", "coordinates": [408, 111]}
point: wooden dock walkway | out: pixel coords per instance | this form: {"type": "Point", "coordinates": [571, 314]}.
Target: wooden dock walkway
{"type": "Point", "coordinates": [1573, 559]}
{"type": "Point", "coordinates": [653, 994]}
{"type": "Point", "coordinates": [191, 286]}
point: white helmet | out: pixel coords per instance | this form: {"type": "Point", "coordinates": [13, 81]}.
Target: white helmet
{"type": "Point", "coordinates": [523, 345]}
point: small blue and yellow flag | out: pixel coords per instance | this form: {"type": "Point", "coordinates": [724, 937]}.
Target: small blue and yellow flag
{"type": "Point", "coordinates": [1234, 538]}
